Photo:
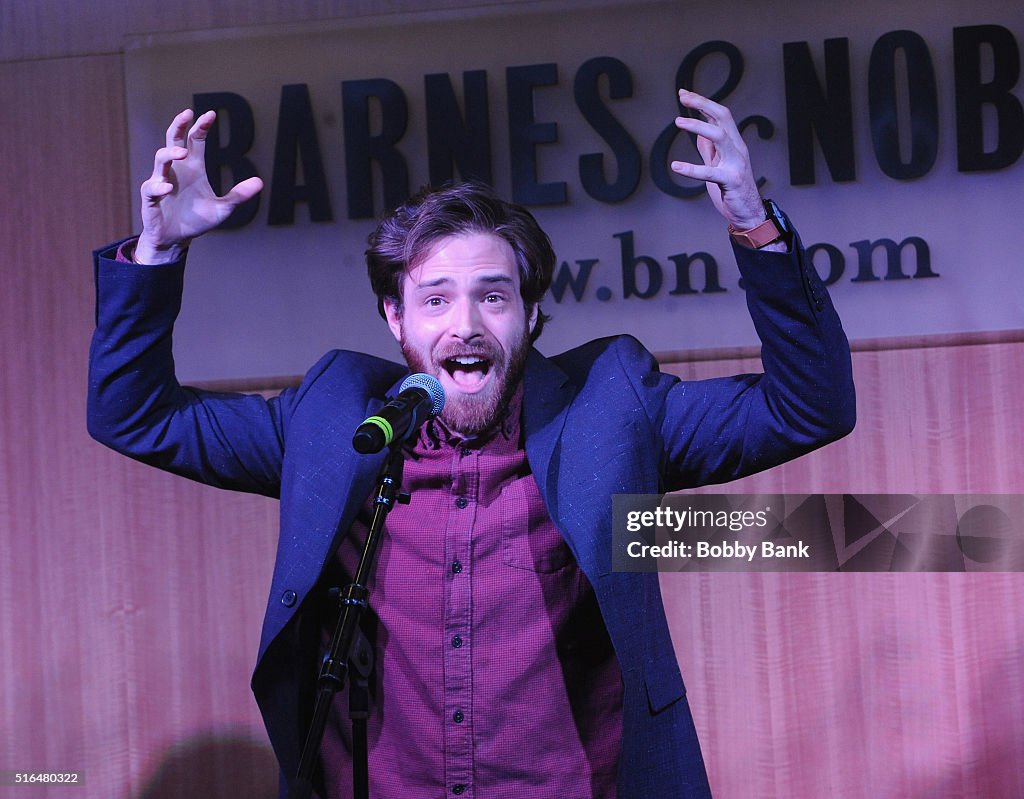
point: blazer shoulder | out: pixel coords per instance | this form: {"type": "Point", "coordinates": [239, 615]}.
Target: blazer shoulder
{"type": "Point", "coordinates": [601, 355]}
{"type": "Point", "coordinates": [353, 373]}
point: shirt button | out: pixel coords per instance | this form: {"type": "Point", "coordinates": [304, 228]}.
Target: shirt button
{"type": "Point", "coordinates": [456, 567]}
{"type": "Point", "coordinates": [457, 641]}
{"type": "Point", "coordinates": [465, 451]}
{"type": "Point", "coordinates": [458, 717]}
{"type": "Point", "coordinates": [288, 598]}
{"type": "Point", "coordinates": [458, 788]}
{"type": "Point", "coordinates": [461, 502]}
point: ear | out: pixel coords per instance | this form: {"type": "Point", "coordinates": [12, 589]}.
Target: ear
{"type": "Point", "coordinates": [393, 313]}
{"type": "Point", "coordinates": [534, 313]}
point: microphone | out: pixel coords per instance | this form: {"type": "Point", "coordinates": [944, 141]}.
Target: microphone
{"type": "Point", "coordinates": [420, 397]}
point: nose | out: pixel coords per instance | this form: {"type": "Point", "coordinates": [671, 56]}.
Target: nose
{"type": "Point", "coordinates": [466, 322]}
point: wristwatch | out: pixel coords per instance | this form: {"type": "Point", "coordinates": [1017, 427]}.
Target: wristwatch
{"type": "Point", "coordinates": [775, 227]}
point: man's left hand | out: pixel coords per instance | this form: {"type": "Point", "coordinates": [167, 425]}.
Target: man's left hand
{"type": "Point", "coordinates": [726, 169]}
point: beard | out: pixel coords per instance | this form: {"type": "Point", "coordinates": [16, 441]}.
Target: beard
{"type": "Point", "coordinates": [473, 414]}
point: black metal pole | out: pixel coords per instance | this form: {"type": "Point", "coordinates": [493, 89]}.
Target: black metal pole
{"type": "Point", "coordinates": [334, 669]}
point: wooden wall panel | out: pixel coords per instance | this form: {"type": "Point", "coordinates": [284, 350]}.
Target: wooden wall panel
{"type": "Point", "coordinates": [109, 569]}
{"type": "Point", "coordinates": [53, 199]}
{"type": "Point", "coordinates": [939, 419]}
{"type": "Point", "coordinates": [871, 685]}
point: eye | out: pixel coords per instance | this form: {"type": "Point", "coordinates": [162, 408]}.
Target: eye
{"type": "Point", "coordinates": [494, 298]}
{"type": "Point", "coordinates": [434, 302]}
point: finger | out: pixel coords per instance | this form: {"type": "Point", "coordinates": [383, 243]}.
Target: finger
{"type": "Point", "coordinates": [176, 132]}
{"type": "Point", "coordinates": [246, 190]}
{"type": "Point", "coordinates": [154, 190]}
{"type": "Point", "coordinates": [709, 108]}
{"type": "Point", "coordinates": [163, 159]}
{"type": "Point", "coordinates": [705, 129]}
{"type": "Point", "coordinates": [696, 171]}
{"type": "Point", "coordinates": [197, 133]}
{"type": "Point", "coordinates": [715, 113]}
{"type": "Point", "coordinates": [707, 149]}
{"type": "Point", "coordinates": [714, 141]}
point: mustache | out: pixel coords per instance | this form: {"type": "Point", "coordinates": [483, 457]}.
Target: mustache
{"type": "Point", "coordinates": [482, 350]}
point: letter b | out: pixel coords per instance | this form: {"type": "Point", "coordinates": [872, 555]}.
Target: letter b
{"type": "Point", "coordinates": [230, 154]}
{"type": "Point", "coordinates": [973, 94]}
{"type": "Point", "coordinates": [630, 262]}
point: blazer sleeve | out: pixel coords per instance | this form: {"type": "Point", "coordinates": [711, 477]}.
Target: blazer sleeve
{"type": "Point", "coordinates": [712, 431]}
{"type": "Point", "coordinates": [137, 407]}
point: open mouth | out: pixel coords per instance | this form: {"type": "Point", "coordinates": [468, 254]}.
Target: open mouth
{"type": "Point", "coordinates": [468, 372]}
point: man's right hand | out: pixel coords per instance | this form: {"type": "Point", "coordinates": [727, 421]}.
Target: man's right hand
{"type": "Point", "coordinates": [178, 202]}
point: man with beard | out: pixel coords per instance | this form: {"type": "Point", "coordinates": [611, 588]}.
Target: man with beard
{"type": "Point", "coordinates": [511, 661]}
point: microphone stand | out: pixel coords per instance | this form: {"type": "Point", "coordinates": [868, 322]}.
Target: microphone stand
{"type": "Point", "coordinates": [333, 671]}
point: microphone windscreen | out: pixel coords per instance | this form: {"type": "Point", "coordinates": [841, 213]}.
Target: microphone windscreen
{"type": "Point", "coordinates": [431, 385]}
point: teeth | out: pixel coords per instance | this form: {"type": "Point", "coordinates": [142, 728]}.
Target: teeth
{"type": "Point", "coordinates": [467, 361]}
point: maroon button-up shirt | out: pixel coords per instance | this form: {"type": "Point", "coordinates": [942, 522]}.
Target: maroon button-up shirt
{"type": "Point", "coordinates": [495, 676]}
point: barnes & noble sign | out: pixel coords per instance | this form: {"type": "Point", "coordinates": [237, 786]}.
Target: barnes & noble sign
{"type": "Point", "coordinates": [896, 148]}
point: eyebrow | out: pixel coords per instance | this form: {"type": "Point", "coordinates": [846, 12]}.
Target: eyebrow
{"type": "Point", "coordinates": [441, 281]}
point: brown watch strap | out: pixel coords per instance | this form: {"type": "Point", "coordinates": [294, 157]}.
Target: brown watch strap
{"type": "Point", "coordinates": [757, 237]}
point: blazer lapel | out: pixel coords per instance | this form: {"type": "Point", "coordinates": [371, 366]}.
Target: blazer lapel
{"type": "Point", "coordinates": [361, 478]}
{"type": "Point", "coordinates": [547, 394]}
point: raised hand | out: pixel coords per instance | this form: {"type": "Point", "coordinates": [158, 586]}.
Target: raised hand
{"type": "Point", "coordinates": [178, 202]}
{"type": "Point", "coordinates": [726, 168]}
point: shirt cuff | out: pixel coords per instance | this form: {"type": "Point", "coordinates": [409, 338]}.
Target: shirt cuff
{"type": "Point", "coordinates": [126, 252]}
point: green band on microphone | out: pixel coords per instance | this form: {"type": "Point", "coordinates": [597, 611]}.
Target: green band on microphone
{"type": "Point", "coordinates": [385, 426]}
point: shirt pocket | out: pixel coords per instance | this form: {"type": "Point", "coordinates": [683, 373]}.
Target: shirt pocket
{"type": "Point", "coordinates": [530, 540]}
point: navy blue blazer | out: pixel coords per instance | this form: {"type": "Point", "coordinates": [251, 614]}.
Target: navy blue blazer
{"type": "Point", "coordinates": [598, 420]}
